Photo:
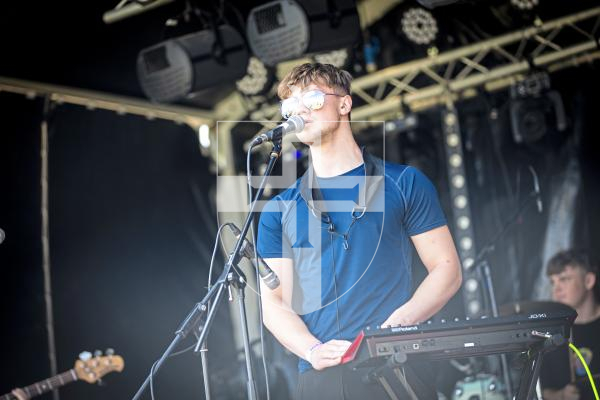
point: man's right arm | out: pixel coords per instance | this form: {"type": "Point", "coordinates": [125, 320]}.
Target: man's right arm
{"type": "Point", "coordinates": [288, 328]}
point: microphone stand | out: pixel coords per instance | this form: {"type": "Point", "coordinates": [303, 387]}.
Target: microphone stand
{"type": "Point", "coordinates": [231, 276]}
{"type": "Point", "coordinates": [483, 267]}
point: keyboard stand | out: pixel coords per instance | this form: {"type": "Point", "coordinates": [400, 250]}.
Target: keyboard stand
{"type": "Point", "coordinates": [398, 387]}
{"type": "Point", "coordinates": [531, 370]}
{"type": "Point", "coordinates": [396, 384]}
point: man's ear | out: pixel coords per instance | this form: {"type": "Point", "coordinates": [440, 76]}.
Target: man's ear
{"type": "Point", "coordinates": [589, 280]}
{"type": "Point", "coordinates": [346, 105]}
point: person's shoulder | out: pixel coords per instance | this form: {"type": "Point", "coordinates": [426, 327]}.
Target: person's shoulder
{"type": "Point", "coordinates": [403, 174]}
{"type": "Point", "coordinates": [279, 201]}
{"type": "Point", "coordinates": [395, 170]}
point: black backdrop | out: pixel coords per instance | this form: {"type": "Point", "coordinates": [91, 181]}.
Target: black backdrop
{"type": "Point", "coordinates": [131, 230]}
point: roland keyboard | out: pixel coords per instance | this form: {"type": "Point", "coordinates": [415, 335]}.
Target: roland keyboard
{"type": "Point", "coordinates": [465, 338]}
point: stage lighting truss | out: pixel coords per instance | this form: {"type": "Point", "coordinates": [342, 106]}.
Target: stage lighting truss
{"type": "Point", "coordinates": [524, 5]}
{"type": "Point", "coordinates": [461, 210]}
{"type": "Point", "coordinates": [491, 64]}
{"type": "Point", "coordinates": [419, 26]}
{"type": "Point", "coordinates": [129, 8]}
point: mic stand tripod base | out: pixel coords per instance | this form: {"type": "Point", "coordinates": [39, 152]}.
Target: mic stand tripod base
{"type": "Point", "coordinates": [235, 279]}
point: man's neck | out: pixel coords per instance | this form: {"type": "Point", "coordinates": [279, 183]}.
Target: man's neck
{"type": "Point", "coordinates": [588, 311]}
{"type": "Point", "coordinates": [336, 155]}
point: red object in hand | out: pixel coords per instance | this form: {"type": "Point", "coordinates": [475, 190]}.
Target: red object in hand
{"type": "Point", "coordinates": [353, 349]}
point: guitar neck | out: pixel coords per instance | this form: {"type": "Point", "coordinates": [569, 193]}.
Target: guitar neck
{"type": "Point", "coordinates": [46, 385]}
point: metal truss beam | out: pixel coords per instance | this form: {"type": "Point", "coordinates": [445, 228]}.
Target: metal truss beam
{"type": "Point", "coordinates": [492, 64]}
{"type": "Point", "coordinates": [98, 100]}
{"type": "Point", "coordinates": [429, 81]}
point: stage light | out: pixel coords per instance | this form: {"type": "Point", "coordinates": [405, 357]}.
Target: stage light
{"type": "Point", "coordinates": [535, 109]}
{"type": "Point", "coordinates": [278, 31]}
{"type": "Point", "coordinates": [468, 263]}
{"type": "Point", "coordinates": [524, 4]}
{"type": "Point", "coordinates": [455, 160]}
{"type": "Point", "coordinates": [463, 222]}
{"type": "Point", "coordinates": [458, 181]}
{"type": "Point", "coordinates": [408, 123]}
{"type": "Point", "coordinates": [453, 140]}
{"type": "Point", "coordinates": [450, 119]}
{"type": "Point", "coordinates": [474, 307]}
{"type": "Point", "coordinates": [257, 80]}
{"type": "Point", "coordinates": [460, 201]}
{"type": "Point", "coordinates": [471, 285]}
{"type": "Point", "coordinates": [177, 67]}
{"type": "Point", "coordinates": [204, 136]}
{"type": "Point", "coordinates": [419, 26]}
{"type": "Point", "coordinates": [285, 29]}
{"type": "Point", "coordinates": [466, 243]}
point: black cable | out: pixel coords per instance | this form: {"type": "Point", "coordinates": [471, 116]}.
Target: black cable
{"type": "Point", "coordinates": [212, 259]}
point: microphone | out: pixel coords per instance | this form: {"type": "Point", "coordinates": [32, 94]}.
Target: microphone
{"type": "Point", "coordinates": [2, 236]}
{"type": "Point", "coordinates": [536, 189]}
{"type": "Point", "coordinates": [294, 124]}
{"type": "Point", "coordinates": [267, 275]}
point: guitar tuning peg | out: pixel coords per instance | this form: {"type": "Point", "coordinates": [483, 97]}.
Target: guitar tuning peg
{"type": "Point", "coordinates": [85, 355]}
{"type": "Point", "coordinates": [98, 353]}
{"type": "Point", "coordinates": [110, 351]}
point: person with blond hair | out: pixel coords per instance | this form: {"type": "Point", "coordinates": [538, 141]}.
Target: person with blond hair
{"type": "Point", "coordinates": [340, 238]}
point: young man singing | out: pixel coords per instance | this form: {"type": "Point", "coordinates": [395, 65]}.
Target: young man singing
{"type": "Point", "coordinates": [340, 241]}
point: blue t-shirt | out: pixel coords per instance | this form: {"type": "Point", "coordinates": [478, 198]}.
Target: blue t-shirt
{"type": "Point", "coordinates": [342, 286]}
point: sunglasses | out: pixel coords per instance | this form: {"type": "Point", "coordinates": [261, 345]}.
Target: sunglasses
{"type": "Point", "coordinates": [313, 100]}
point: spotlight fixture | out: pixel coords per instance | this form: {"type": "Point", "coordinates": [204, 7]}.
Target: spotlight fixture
{"type": "Point", "coordinates": [286, 29]}
{"type": "Point", "coordinates": [535, 109]}
{"type": "Point", "coordinates": [419, 26]}
{"type": "Point", "coordinates": [257, 80]}
{"type": "Point", "coordinates": [177, 67]}
{"type": "Point", "coordinates": [524, 4]}
{"type": "Point", "coordinates": [278, 31]}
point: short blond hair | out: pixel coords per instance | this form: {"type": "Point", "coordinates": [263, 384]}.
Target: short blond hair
{"type": "Point", "coordinates": [305, 74]}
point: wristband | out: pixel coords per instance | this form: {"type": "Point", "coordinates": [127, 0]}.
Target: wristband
{"type": "Point", "coordinates": [310, 351]}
